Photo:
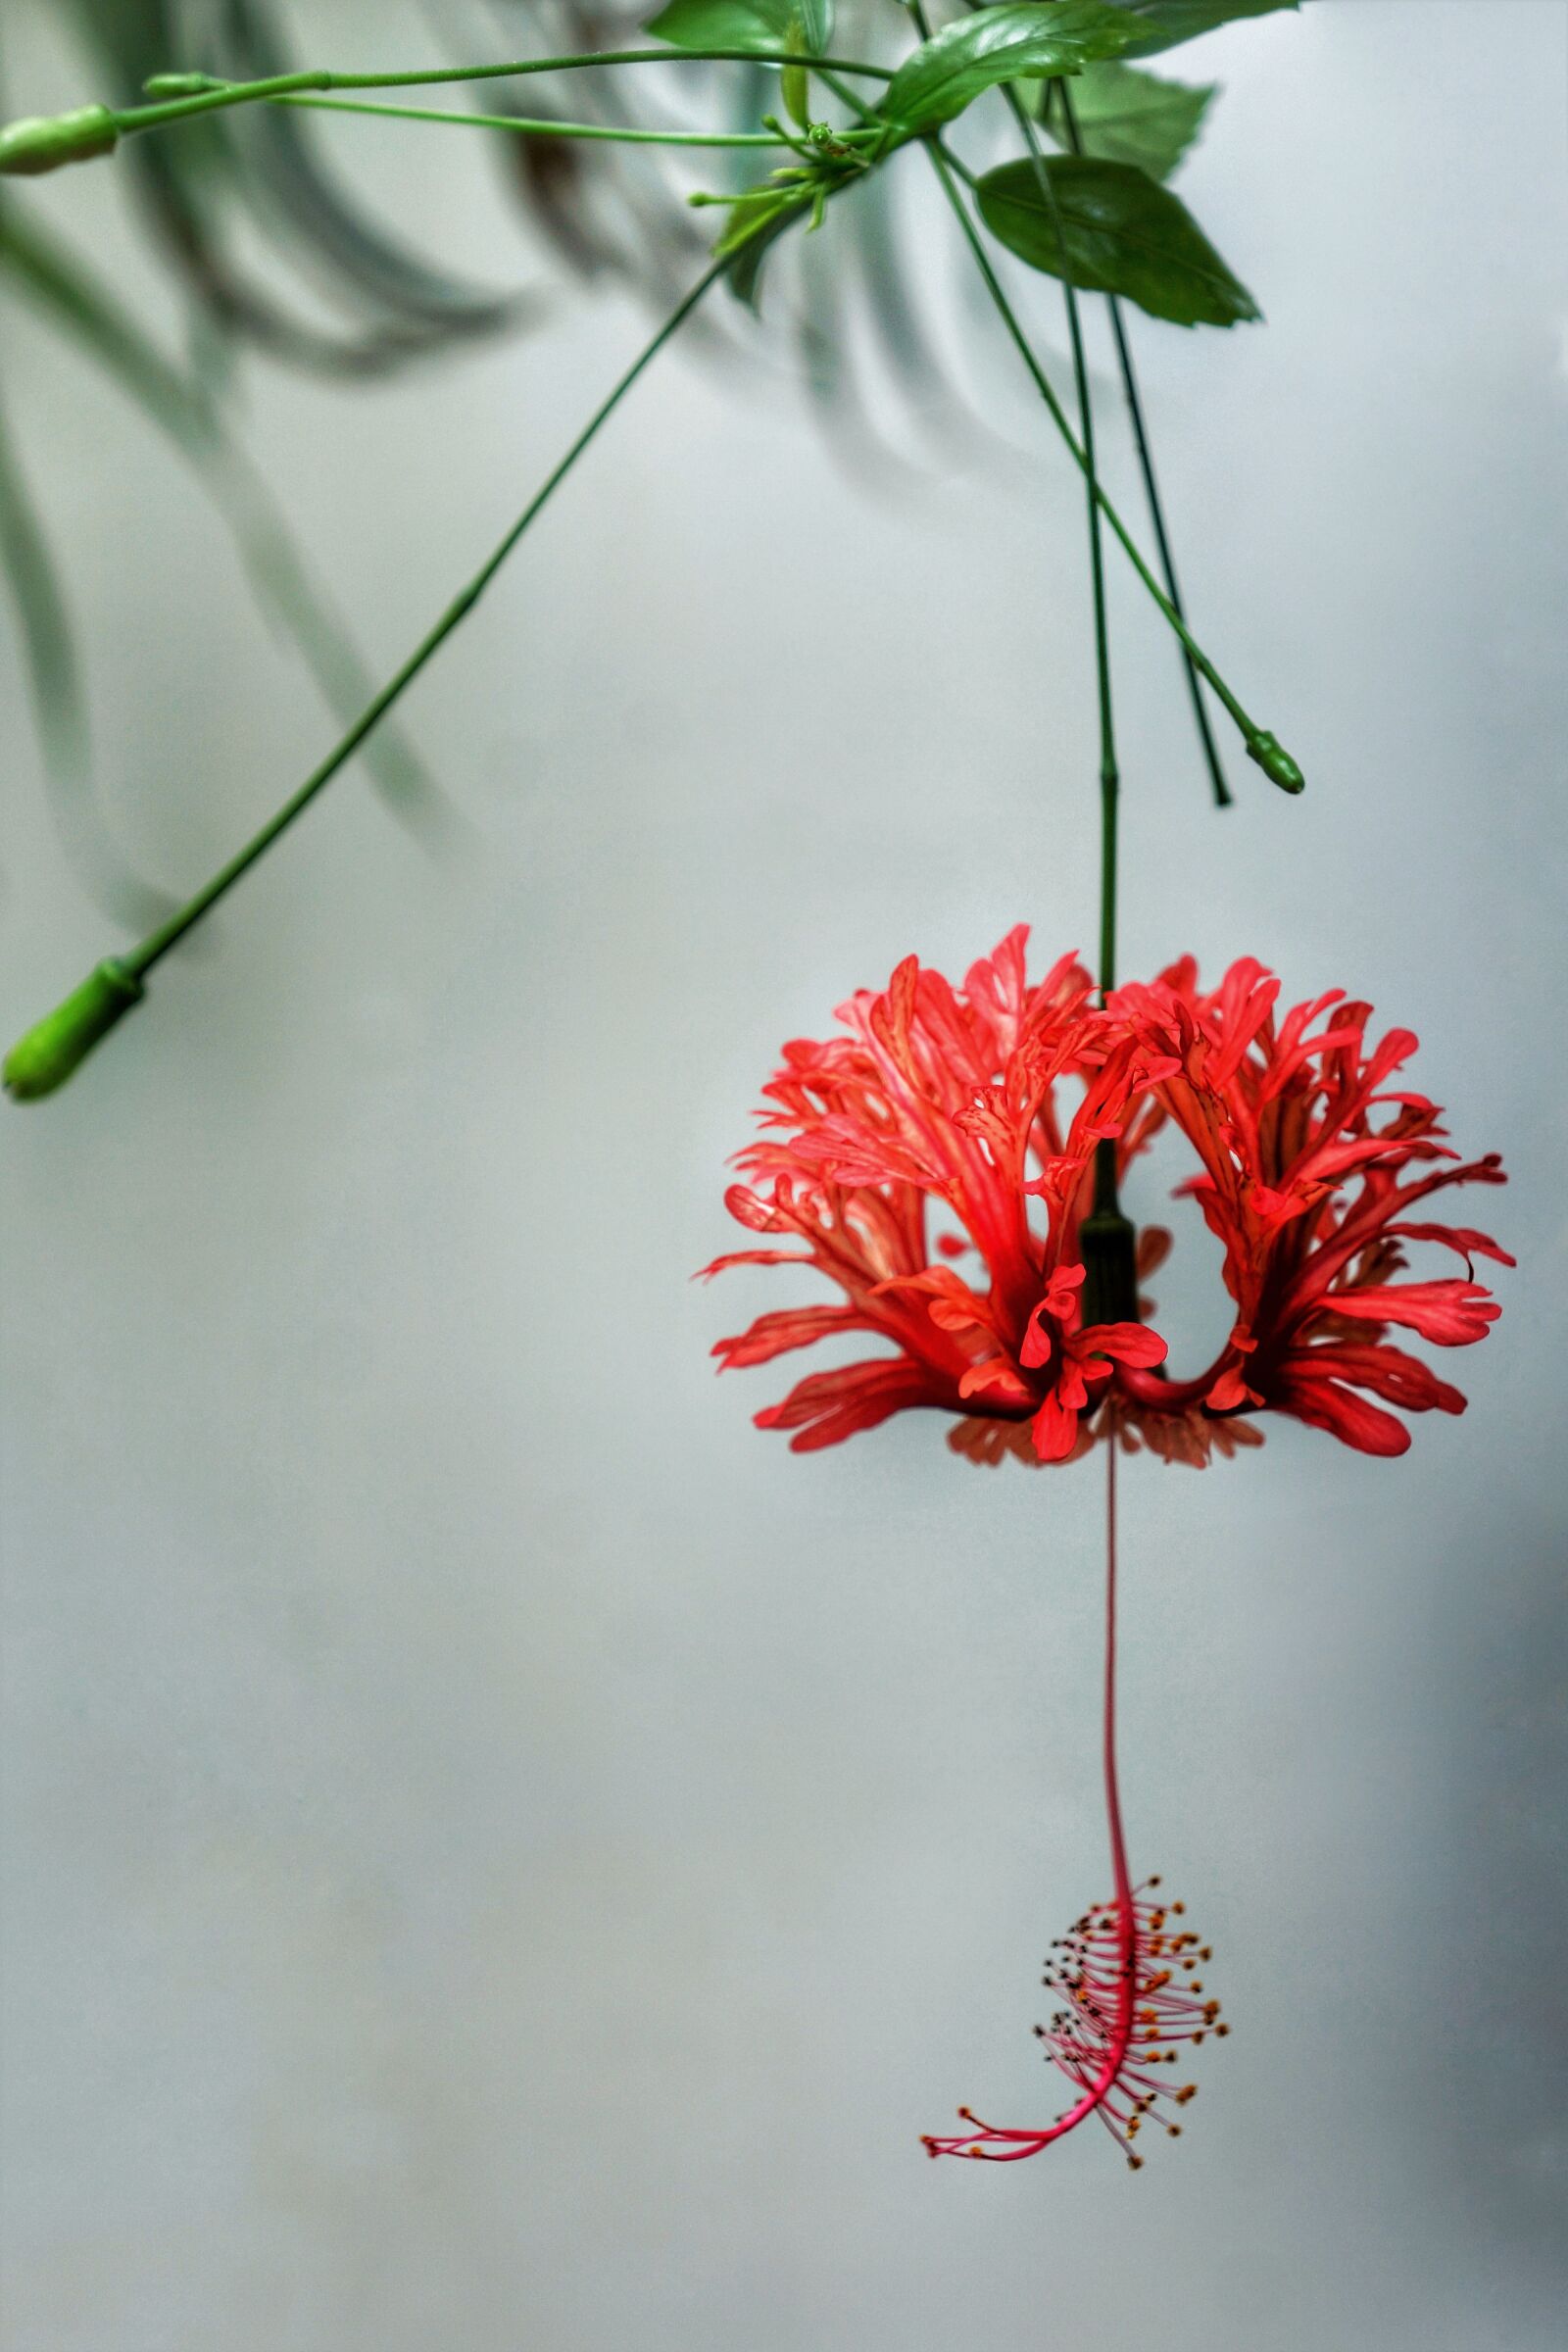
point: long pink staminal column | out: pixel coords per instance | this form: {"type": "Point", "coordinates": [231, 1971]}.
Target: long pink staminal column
{"type": "Point", "coordinates": [1129, 1977]}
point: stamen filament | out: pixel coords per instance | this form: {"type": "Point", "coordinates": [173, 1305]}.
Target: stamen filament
{"type": "Point", "coordinates": [1126, 2013]}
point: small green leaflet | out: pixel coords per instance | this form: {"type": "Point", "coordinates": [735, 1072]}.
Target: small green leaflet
{"type": "Point", "coordinates": [1124, 235]}
{"type": "Point", "coordinates": [1167, 21]}
{"type": "Point", "coordinates": [1127, 116]}
{"type": "Point", "coordinates": [752, 25]}
{"type": "Point", "coordinates": [999, 45]}
{"type": "Point", "coordinates": [750, 252]}
{"type": "Point", "coordinates": [758, 213]}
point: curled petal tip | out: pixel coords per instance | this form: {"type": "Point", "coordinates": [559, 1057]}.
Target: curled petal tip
{"type": "Point", "coordinates": [44, 142]}
{"type": "Point", "coordinates": [55, 1047]}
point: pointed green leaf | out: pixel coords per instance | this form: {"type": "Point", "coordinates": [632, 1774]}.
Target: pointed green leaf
{"type": "Point", "coordinates": [751, 251]}
{"type": "Point", "coordinates": [1127, 116]}
{"type": "Point", "coordinates": [794, 89]}
{"type": "Point", "coordinates": [1124, 235]}
{"type": "Point", "coordinates": [1001, 44]}
{"type": "Point", "coordinates": [756, 211]}
{"type": "Point", "coordinates": [1165, 23]}
{"type": "Point", "coordinates": [803, 26]}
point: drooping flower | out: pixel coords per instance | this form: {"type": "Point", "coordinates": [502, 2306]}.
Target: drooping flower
{"type": "Point", "coordinates": [985, 1128]}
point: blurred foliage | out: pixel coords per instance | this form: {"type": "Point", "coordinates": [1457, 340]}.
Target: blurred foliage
{"type": "Point", "coordinates": [344, 296]}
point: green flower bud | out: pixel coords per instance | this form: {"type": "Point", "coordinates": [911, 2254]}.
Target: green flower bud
{"type": "Point", "coordinates": [179, 85]}
{"type": "Point", "coordinates": [44, 142]}
{"type": "Point", "coordinates": [1276, 763]}
{"type": "Point", "coordinates": [52, 1049]}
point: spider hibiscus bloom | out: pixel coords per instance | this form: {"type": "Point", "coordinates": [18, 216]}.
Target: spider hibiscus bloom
{"type": "Point", "coordinates": [939, 1105]}
{"type": "Point", "coordinates": [1310, 1171]}
{"type": "Point", "coordinates": [918, 1138]}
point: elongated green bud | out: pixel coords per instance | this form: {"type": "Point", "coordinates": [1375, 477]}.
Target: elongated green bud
{"type": "Point", "coordinates": [52, 1049]}
{"type": "Point", "coordinates": [1276, 763]}
{"type": "Point", "coordinates": [179, 85]}
{"type": "Point", "coordinates": [44, 142]}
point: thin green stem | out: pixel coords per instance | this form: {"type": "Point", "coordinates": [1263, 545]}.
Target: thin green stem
{"type": "Point", "coordinates": [1261, 746]}
{"type": "Point", "coordinates": [1156, 511]}
{"type": "Point", "coordinates": [542, 127]}
{"type": "Point", "coordinates": [140, 960]}
{"type": "Point", "coordinates": [1106, 1238]}
{"type": "Point", "coordinates": [211, 99]}
{"type": "Point", "coordinates": [1109, 778]}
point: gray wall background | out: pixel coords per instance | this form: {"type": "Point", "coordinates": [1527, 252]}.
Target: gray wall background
{"type": "Point", "coordinates": [498, 1853]}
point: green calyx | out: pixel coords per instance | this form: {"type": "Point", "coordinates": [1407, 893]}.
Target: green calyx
{"type": "Point", "coordinates": [55, 1047]}
{"type": "Point", "coordinates": [1108, 1242]}
{"type": "Point", "coordinates": [44, 142]}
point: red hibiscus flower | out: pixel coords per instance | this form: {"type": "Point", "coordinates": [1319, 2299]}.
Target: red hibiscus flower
{"type": "Point", "coordinates": [986, 1127]}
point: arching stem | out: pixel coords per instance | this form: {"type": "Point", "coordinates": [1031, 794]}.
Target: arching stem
{"type": "Point", "coordinates": [203, 94]}
{"type": "Point", "coordinates": [140, 960]}
{"type": "Point", "coordinates": [541, 126]}
{"type": "Point", "coordinates": [49, 1051]}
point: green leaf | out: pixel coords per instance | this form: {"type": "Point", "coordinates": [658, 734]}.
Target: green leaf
{"type": "Point", "coordinates": [1167, 21]}
{"type": "Point", "coordinates": [1123, 234]}
{"type": "Point", "coordinates": [750, 252]}
{"type": "Point", "coordinates": [752, 25]}
{"type": "Point", "coordinates": [756, 212]}
{"type": "Point", "coordinates": [999, 45]}
{"type": "Point", "coordinates": [794, 89]}
{"type": "Point", "coordinates": [1127, 116]}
